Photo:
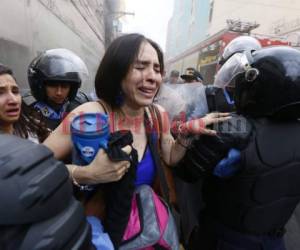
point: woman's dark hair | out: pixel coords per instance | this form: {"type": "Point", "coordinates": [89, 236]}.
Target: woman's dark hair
{"type": "Point", "coordinates": [30, 121]}
{"type": "Point", "coordinates": [115, 65]}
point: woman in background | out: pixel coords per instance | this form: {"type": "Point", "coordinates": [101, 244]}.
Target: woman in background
{"type": "Point", "coordinates": [13, 118]}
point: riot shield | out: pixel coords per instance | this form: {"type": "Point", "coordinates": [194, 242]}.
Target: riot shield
{"type": "Point", "coordinates": [186, 101]}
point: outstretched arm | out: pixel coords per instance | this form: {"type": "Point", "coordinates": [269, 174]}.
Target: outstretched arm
{"type": "Point", "coordinates": [219, 155]}
{"type": "Point", "coordinates": [174, 150]}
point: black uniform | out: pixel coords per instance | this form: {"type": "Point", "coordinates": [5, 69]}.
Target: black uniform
{"type": "Point", "coordinates": [249, 210]}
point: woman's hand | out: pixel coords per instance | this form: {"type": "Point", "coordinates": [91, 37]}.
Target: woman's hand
{"type": "Point", "coordinates": [103, 170]}
{"type": "Point", "coordinates": [198, 126]}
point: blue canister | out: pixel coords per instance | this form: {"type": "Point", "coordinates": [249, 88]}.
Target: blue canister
{"type": "Point", "coordinates": [89, 133]}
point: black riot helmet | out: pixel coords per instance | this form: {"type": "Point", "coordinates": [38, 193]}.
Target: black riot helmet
{"type": "Point", "coordinates": [56, 66]}
{"type": "Point", "coordinates": [267, 82]}
{"type": "Point", "coordinates": [38, 210]}
{"type": "Point", "coordinates": [239, 44]}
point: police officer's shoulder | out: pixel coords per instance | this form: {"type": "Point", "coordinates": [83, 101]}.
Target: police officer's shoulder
{"type": "Point", "coordinates": [79, 99]}
{"type": "Point", "coordinates": [82, 97]}
{"type": "Point", "coordinates": [28, 98]}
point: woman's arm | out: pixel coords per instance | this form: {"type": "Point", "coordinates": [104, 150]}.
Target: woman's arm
{"type": "Point", "coordinates": [101, 169]}
{"type": "Point", "coordinates": [59, 141]}
{"type": "Point", "coordinates": [174, 150]}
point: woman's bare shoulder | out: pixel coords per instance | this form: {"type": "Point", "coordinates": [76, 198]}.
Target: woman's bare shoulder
{"type": "Point", "coordinates": [89, 107]}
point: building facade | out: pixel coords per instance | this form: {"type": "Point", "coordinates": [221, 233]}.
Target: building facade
{"type": "Point", "coordinates": [268, 13]}
{"type": "Point", "coordinates": [273, 18]}
{"type": "Point", "coordinates": [29, 27]}
{"type": "Point", "coordinates": [188, 25]}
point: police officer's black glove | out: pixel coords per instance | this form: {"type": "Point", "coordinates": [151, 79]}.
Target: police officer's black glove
{"type": "Point", "coordinates": [207, 151]}
{"type": "Point", "coordinates": [235, 133]}
{"type": "Point", "coordinates": [117, 141]}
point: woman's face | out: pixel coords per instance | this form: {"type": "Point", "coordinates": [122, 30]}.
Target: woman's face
{"type": "Point", "coordinates": [10, 100]}
{"type": "Point", "coordinates": [143, 79]}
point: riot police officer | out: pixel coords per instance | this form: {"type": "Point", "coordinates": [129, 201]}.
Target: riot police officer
{"type": "Point", "coordinates": [54, 79]}
{"type": "Point", "coordinates": [220, 98]}
{"type": "Point", "coordinates": [203, 99]}
{"type": "Point", "coordinates": [249, 207]}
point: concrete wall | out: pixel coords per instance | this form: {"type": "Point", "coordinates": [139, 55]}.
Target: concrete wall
{"type": "Point", "coordinates": [31, 26]}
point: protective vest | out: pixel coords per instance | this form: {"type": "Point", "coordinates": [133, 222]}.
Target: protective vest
{"type": "Point", "coordinates": [262, 197]}
{"type": "Point", "coordinates": [53, 118]}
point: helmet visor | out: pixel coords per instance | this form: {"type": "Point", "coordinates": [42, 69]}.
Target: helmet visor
{"type": "Point", "coordinates": [235, 65]}
{"type": "Point", "coordinates": [58, 63]}
{"type": "Point", "coordinates": [183, 99]}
